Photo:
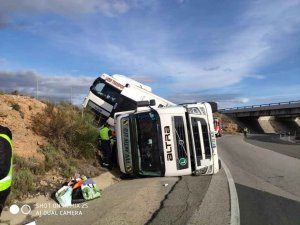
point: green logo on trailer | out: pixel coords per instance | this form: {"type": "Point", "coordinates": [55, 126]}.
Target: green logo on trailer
{"type": "Point", "coordinates": [182, 161]}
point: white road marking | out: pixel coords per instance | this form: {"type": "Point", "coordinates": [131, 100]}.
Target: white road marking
{"type": "Point", "coordinates": [234, 201]}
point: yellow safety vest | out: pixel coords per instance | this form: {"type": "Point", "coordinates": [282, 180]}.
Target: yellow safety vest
{"type": "Point", "coordinates": [104, 133]}
{"type": "Point", "coordinates": [5, 183]}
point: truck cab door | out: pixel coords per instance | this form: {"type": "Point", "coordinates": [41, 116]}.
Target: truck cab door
{"type": "Point", "coordinates": [201, 143]}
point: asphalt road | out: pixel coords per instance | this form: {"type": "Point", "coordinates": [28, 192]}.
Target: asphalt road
{"type": "Point", "coordinates": [127, 202]}
{"type": "Point", "coordinates": [180, 204]}
{"type": "Point", "coordinates": [267, 182]}
{"type": "Point", "coordinates": [196, 201]}
{"type": "Point", "coordinates": [164, 200]}
{"type": "Point", "coordinates": [272, 142]}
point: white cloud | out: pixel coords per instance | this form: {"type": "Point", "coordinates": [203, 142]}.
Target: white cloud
{"type": "Point", "coordinates": [229, 103]}
{"type": "Point", "coordinates": [290, 95]}
{"type": "Point", "coordinates": [181, 1]}
{"type": "Point", "coordinates": [243, 100]}
{"type": "Point", "coordinates": [244, 51]}
{"type": "Point", "coordinates": [256, 76]}
{"type": "Point", "coordinates": [51, 87]}
{"type": "Point", "coordinates": [66, 7]}
{"type": "Point", "coordinates": [150, 54]}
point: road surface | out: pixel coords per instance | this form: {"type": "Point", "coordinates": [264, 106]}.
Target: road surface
{"type": "Point", "coordinates": [267, 182]}
{"type": "Point", "coordinates": [163, 200]}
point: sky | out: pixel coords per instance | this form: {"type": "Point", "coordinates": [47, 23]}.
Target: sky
{"type": "Point", "coordinates": [236, 53]}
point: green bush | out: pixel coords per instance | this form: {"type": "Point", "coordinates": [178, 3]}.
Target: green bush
{"type": "Point", "coordinates": [24, 174]}
{"type": "Point", "coordinates": [57, 160]}
{"type": "Point", "coordinates": [68, 130]}
{"type": "Point", "coordinates": [16, 106]}
{"type": "Point", "coordinates": [23, 180]}
{"type": "Point", "coordinates": [54, 158]}
{"type": "Point", "coordinates": [70, 171]}
{"type": "Point", "coordinates": [32, 164]}
{"type": "Point", "coordinates": [15, 92]}
{"type": "Point", "coordinates": [14, 194]}
{"type": "Point", "coordinates": [71, 137]}
{"type": "Point", "coordinates": [85, 136]}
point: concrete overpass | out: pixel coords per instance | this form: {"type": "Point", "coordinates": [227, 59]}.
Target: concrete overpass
{"type": "Point", "coordinates": [268, 118]}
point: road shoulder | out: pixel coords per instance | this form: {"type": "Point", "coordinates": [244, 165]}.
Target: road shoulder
{"type": "Point", "coordinates": [291, 150]}
{"type": "Point", "coordinates": [42, 205]}
{"type": "Point", "coordinates": [215, 208]}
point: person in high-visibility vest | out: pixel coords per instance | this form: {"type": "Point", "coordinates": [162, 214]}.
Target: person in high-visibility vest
{"type": "Point", "coordinates": [105, 137]}
{"type": "Point", "coordinates": [6, 165]}
{"type": "Point", "coordinates": [245, 131]}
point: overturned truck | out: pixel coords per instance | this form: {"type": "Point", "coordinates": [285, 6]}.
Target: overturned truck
{"type": "Point", "coordinates": [168, 141]}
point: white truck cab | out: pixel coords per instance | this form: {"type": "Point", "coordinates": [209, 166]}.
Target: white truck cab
{"type": "Point", "coordinates": [169, 141]}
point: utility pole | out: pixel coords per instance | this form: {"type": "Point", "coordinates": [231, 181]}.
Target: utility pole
{"type": "Point", "coordinates": [37, 88]}
{"type": "Point", "coordinates": [71, 95]}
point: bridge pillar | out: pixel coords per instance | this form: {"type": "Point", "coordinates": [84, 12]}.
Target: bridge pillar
{"type": "Point", "coordinates": [267, 124]}
{"type": "Point", "coordinates": [274, 124]}
{"type": "Point", "coordinates": [297, 121]}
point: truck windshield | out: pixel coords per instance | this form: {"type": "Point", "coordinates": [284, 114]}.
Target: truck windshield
{"type": "Point", "coordinates": [149, 144]}
{"type": "Point", "coordinates": [105, 91]}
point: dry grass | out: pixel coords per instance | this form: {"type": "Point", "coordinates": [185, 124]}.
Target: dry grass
{"type": "Point", "coordinates": [72, 144]}
{"type": "Point", "coordinates": [67, 130]}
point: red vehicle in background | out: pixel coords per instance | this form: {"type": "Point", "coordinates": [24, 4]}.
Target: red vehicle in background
{"type": "Point", "coordinates": [218, 127]}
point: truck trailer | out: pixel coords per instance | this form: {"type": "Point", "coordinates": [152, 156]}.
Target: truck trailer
{"type": "Point", "coordinates": [116, 93]}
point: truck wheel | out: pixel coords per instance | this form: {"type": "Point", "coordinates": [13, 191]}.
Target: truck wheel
{"type": "Point", "coordinates": [125, 176]}
{"type": "Point", "coordinates": [220, 164]}
{"type": "Point", "coordinates": [196, 173]}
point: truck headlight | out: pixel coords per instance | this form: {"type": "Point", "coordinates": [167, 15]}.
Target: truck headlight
{"type": "Point", "coordinates": [194, 110]}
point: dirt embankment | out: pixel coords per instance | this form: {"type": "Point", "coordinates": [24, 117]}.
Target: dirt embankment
{"type": "Point", "coordinates": [37, 160]}
{"type": "Point", "coordinates": [16, 113]}
{"type": "Point", "coordinates": [229, 126]}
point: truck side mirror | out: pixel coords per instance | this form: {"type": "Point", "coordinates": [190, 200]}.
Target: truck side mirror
{"type": "Point", "coordinates": [142, 103]}
{"type": "Point", "coordinates": [214, 106]}
{"type": "Point", "coordinates": [152, 102]}
{"type": "Point", "coordinates": [145, 103]}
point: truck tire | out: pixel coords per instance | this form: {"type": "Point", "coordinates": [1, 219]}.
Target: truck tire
{"type": "Point", "coordinates": [125, 176]}
{"type": "Point", "coordinates": [220, 164]}
{"type": "Point", "coordinates": [196, 173]}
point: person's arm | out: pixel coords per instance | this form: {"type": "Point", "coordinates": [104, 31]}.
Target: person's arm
{"type": "Point", "coordinates": [5, 157]}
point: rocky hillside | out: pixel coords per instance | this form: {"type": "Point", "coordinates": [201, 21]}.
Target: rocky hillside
{"type": "Point", "coordinates": [16, 113]}
{"type": "Point", "coordinates": [229, 126]}
{"type": "Point", "coordinates": [52, 143]}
